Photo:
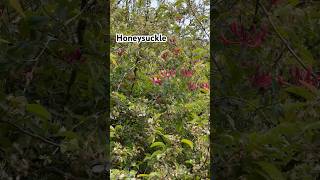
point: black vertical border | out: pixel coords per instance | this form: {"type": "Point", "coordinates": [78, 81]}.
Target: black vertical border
{"type": "Point", "coordinates": [107, 66]}
{"type": "Point", "coordinates": [212, 64]}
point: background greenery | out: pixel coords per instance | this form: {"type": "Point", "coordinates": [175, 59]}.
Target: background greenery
{"type": "Point", "coordinates": [53, 89]}
{"type": "Point", "coordinates": [266, 97]}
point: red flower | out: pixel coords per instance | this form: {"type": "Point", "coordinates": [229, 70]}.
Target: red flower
{"type": "Point", "coordinates": [168, 73]}
{"type": "Point", "coordinates": [261, 80]}
{"type": "Point", "coordinates": [192, 86]}
{"type": "Point", "coordinates": [300, 75]}
{"type": "Point", "coordinates": [249, 38]}
{"type": "Point", "coordinates": [204, 86]}
{"type": "Point", "coordinates": [186, 73]}
{"type": "Point", "coordinates": [156, 81]}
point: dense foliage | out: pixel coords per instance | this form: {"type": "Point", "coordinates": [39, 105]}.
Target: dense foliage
{"type": "Point", "coordinates": [266, 89]}
{"type": "Point", "coordinates": [160, 91]}
{"type": "Point", "coordinates": [264, 74]}
{"type": "Point", "coordinates": [53, 89]}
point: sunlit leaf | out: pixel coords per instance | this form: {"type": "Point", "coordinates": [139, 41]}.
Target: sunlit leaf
{"type": "Point", "coordinates": [187, 142]}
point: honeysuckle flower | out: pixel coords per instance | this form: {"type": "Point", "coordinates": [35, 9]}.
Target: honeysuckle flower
{"type": "Point", "coordinates": [156, 81]}
{"type": "Point", "coordinates": [168, 73]}
{"type": "Point", "coordinates": [261, 80]}
{"type": "Point", "coordinates": [192, 86]}
{"type": "Point", "coordinates": [204, 86]}
{"type": "Point", "coordinates": [301, 76]}
{"type": "Point", "coordinates": [186, 73]}
{"type": "Point", "coordinates": [248, 38]}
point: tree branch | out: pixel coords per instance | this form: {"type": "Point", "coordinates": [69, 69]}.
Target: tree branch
{"type": "Point", "coordinates": [43, 139]}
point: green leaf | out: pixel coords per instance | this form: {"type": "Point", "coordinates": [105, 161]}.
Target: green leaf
{"type": "Point", "coordinates": [302, 92]}
{"type": "Point", "coordinates": [17, 6]}
{"type": "Point", "coordinates": [156, 153]}
{"type": "Point", "coordinates": [187, 142]}
{"type": "Point", "coordinates": [143, 175]}
{"type": "Point", "coordinates": [4, 41]}
{"type": "Point", "coordinates": [273, 172]}
{"type": "Point", "coordinates": [157, 144]}
{"type": "Point", "coordinates": [150, 139]}
{"type": "Point", "coordinates": [39, 111]}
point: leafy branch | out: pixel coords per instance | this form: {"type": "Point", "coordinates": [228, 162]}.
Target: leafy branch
{"type": "Point", "coordinates": [285, 42]}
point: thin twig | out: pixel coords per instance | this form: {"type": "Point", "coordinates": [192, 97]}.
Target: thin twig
{"type": "Point", "coordinates": [80, 13]}
{"type": "Point", "coordinates": [31, 134]}
{"type": "Point", "coordinates": [36, 59]}
{"type": "Point", "coordinates": [196, 18]}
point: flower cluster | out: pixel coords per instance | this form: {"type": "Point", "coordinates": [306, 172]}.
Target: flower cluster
{"type": "Point", "coordinates": [301, 77]}
{"type": "Point", "coordinates": [168, 74]}
{"type": "Point", "coordinates": [186, 73]}
{"type": "Point", "coordinates": [298, 76]}
{"type": "Point", "coordinates": [163, 74]}
{"type": "Point", "coordinates": [251, 38]}
{"type": "Point", "coordinates": [194, 86]}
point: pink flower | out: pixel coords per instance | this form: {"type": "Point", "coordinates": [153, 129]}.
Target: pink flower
{"type": "Point", "coordinates": [244, 37]}
{"type": "Point", "coordinates": [156, 81]}
{"type": "Point", "coordinates": [168, 73]}
{"type": "Point", "coordinates": [186, 73]}
{"type": "Point", "coordinates": [204, 86]}
{"type": "Point", "coordinates": [300, 75]}
{"type": "Point", "coordinates": [192, 86]}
